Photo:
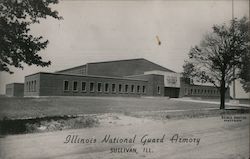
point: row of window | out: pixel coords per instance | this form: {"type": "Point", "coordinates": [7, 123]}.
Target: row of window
{"type": "Point", "coordinates": [31, 86]}
{"type": "Point", "coordinates": [105, 87]}
{"type": "Point", "coordinates": [201, 91]}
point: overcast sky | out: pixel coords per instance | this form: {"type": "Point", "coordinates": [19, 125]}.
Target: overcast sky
{"type": "Point", "coordinates": [93, 31]}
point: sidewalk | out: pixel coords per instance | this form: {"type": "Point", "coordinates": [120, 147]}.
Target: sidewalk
{"type": "Point", "coordinates": [210, 102]}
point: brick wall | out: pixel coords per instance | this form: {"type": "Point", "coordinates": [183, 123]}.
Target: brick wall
{"type": "Point", "coordinates": [54, 85]}
{"type": "Point", "coordinates": [32, 85]}
{"type": "Point", "coordinates": [15, 89]}
{"type": "Point", "coordinates": [9, 90]}
{"type": "Point", "coordinates": [189, 90]}
{"type": "Point", "coordinates": [154, 81]}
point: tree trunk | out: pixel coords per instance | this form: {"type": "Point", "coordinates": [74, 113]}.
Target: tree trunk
{"type": "Point", "coordinates": [222, 94]}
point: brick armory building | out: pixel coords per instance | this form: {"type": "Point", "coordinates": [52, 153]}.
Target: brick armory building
{"type": "Point", "coordinates": [134, 77]}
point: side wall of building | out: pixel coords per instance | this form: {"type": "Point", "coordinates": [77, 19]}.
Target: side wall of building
{"type": "Point", "coordinates": [80, 70]}
{"type": "Point", "coordinates": [15, 90]}
{"type": "Point", "coordinates": [189, 90]}
{"type": "Point", "coordinates": [9, 90]}
{"type": "Point", "coordinates": [72, 85]}
{"type": "Point", "coordinates": [155, 84]}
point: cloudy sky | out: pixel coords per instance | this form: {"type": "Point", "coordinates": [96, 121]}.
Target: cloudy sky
{"type": "Point", "coordinates": [103, 30]}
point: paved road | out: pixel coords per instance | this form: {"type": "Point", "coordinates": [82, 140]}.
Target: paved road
{"type": "Point", "coordinates": [217, 139]}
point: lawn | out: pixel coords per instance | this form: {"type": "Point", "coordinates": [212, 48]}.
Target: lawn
{"type": "Point", "coordinates": [57, 106]}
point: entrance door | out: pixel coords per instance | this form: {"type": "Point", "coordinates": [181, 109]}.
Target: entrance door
{"type": "Point", "coordinates": [171, 92]}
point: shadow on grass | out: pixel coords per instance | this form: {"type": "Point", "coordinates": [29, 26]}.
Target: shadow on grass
{"type": "Point", "coordinates": [187, 114]}
{"type": "Point", "coordinates": [45, 124]}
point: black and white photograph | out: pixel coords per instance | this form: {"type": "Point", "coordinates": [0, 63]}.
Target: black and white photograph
{"type": "Point", "coordinates": [124, 79]}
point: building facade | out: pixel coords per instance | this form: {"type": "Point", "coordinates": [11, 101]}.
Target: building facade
{"type": "Point", "coordinates": [14, 90]}
{"type": "Point", "coordinates": [58, 84]}
{"type": "Point", "coordinates": [128, 78]}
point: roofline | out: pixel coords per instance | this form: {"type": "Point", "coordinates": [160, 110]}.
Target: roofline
{"type": "Point", "coordinates": [160, 66]}
{"type": "Point", "coordinates": [116, 61]}
{"type": "Point", "coordinates": [15, 83]}
{"type": "Point", "coordinates": [121, 78]}
{"type": "Point", "coordinates": [131, 60]}
{"type": "Point", "coordinates": [143, 75]}
{"type": "Point", "coordinates": [71, 68]}
{"type": "Point", "coordinates": [99, 62]}
{"type": "Point", "coordinates": [200, 85]}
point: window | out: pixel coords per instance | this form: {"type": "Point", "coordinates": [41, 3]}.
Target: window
{"type": "Point", "coordinates": [75, 86]}
{"type": "Point", "coordinates": [99, 87]}
{"type": "Point", "coordinates": [91, 87]}
{"type": "Point", "coordinates": [66, 85]}
{"type": "Point", "coordinates": [158, 90]}
{"type": "Point", "coordinates": [186, 91]}
{"type": "Point", "coordinates": [113, 87]}
{"type": "Point", "coordinates": [27, 86]}
{"type": "Point", "coordinates": [126, 88]}
{"type": "Point", "coordinates": [30, 87]}
{"type": "Point", "coordinates": [132, 88]}
{"type": "Point", "coordinates": [83, 86]}
{"type": "Point", "coordinates": [191, 91]}
{"type": "Point", "coordinates": [144, 89]}
{"type": "Point", "coordinates": [34, 85]}
{"type": "Point", "coordinates": [120, 88]}
{"type": "Point", "coordinates": [106, 89]}
{"type": "Point", "coordinates": [138, 89]}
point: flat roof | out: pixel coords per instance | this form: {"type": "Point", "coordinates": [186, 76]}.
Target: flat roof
{"type": "Point", "coordinates": [14, 83]}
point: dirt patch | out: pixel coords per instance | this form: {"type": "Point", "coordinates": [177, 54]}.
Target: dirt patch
{"type": "Point", "coordinates": [57, 123]}
{"type": "Point", "coordinates": [46, 124]}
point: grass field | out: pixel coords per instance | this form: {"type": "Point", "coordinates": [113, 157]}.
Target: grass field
{"type": "Point", "coordinates": [56, 106]}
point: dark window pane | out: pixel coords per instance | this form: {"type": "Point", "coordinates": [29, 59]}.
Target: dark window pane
{"type": "Point", "coordinates": [99, 87]}
{"type": "Point", "coordinates": [83, 86]}
{"type": "Point", "coordinates": [120, 88]}
{"type": "Point", "coordinates": [144, 89]}
{"type": "Point", "coordinates": [92, 89]}
{"type": "Point", "coordinates": [66, 85]}
{"type": "Point", "coordinates": [75, 85]}
{"type": "Point", "coordinates": [113, 87]}
{"type": "Point", "coordinates": [106, 87]}
{"type": "Point", "coordinates": [138, 89]}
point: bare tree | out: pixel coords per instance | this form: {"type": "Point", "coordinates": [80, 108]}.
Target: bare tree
{"type": "Point", "coordinates": [220, 54]}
